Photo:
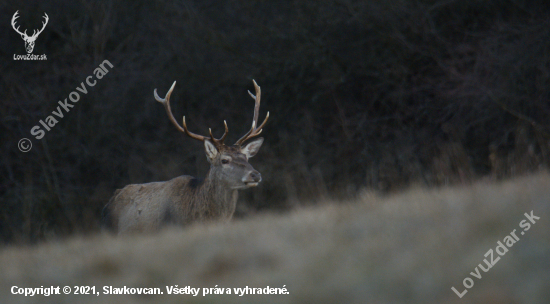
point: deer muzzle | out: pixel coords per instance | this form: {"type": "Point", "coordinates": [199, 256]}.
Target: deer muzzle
{"type": "Point", "coordinates": [252, 179]}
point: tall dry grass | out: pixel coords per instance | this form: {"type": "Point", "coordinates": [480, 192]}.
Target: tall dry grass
{"type": "Point", "coordinates": [410, 247]}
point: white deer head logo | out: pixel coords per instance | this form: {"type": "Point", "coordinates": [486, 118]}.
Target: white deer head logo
{"type": "Point", "coordinates": [29, 40]}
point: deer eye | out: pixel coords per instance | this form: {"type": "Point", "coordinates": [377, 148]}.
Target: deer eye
{"type": "Point", "coordinates": [225, 161]}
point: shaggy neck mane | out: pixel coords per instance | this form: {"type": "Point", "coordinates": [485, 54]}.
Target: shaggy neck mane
{"type": "Point", "coordinates": [217, 199]}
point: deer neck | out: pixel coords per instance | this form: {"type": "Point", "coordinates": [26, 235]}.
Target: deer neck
{"type": "Point", "coordinates": [220, 200]}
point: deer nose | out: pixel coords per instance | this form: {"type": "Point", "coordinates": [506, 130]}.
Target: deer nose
{"type": "Point", "coordinates": [255, 176]}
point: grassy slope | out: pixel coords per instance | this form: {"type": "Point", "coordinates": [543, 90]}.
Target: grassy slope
{"type": "Point", "coordinates": [408, 247]}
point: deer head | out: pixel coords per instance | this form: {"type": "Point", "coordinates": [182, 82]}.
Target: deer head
{"type": "Point", "coordinates": [29, 40]}
{"type": "Point", "coordinates": [228, 164]}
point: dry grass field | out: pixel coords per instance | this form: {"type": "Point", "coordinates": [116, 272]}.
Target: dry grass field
{"type": "Point", "coordinates": [408, 247]}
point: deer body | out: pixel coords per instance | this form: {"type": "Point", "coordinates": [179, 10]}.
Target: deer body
{"type": "Point", "coordinates": [180, 201]}
{"type": "Point", "coordinates": [186, 199]}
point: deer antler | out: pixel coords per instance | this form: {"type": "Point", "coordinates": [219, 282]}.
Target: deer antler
{"type": "Point", "coordinates": [13, 24]}
{"type": "Point", "coordinates": [166, 102]}
{"type": "Point", "coordinates": [43, 26]}
{"type": "Point", "coordinates": [254, 131]}
{"type": "Point", "coordinates": [34, 34]}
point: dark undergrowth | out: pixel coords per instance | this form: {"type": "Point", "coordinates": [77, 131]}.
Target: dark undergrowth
{"type": "Point", "coordinates": [362, 94]}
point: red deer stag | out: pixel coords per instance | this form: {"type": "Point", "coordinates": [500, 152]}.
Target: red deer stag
{"type": "Point", "coordinates": [186, 199]}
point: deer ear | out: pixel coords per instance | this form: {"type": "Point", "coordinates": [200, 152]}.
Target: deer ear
{"type": "Point", "coordinates": [252, 147]}
{"type": "Point", "coordinates": [210, 149]}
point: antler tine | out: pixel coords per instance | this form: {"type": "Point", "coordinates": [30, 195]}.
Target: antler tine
{"type": "Point", "coordinates": [257, 99]}
{"type": "Point", "coordinates": [221, 139]}
{"type": "Point", "coordinates": [253, 130]}
{"type": "Point", "coordinates": [166, 103]}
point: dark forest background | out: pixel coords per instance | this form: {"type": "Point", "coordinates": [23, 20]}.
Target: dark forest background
{"type": "Point", "coordinates": [372, 95]}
